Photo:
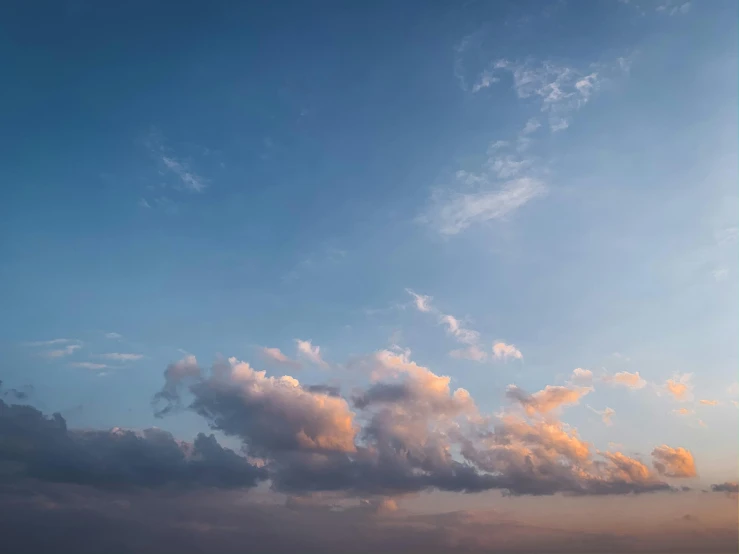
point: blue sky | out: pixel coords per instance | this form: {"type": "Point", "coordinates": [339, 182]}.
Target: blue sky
{"type": "Point", "coordinates": [558, 177]}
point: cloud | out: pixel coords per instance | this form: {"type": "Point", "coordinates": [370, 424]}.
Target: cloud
{"type": "Point", "coordinates": [559, 90]}
{"type": "Point", "coordinates": [674, 9]}
{"type": "Point", "coordinates": [176, 375]}
{"type": "Point", "coordinates": [531, 126]}
{"type": "Point", "coordinates": [454, 328]}
{"type": "Point", "coordinates": [709, 402]}
{"type": "Point", "coordinates": [455, 213]}
{"type": "Point", "coordinates": [485, 80]}
{"type": "Point", "coordinates": [680, 387]}
{"type": "Point", "coordinates": [223, 521]}
{"type": "Point", "coordinates": [606, 414]}
{"type": "Point", "coordinates": [272, 414]}
{"type": "Point", "coordinates": [474, 353]}
{"type": "Point", "coordinates": [69, 348]}
{"type": "Point", "coordinates": [190, 180]}
{"type": "Point", "coordinates": [683, 411]}
{"type": "Point", "coordinates": [503, 351]}
{"type": "Point", "coordinates": [548, 399]}
{"type": "Point", "coordinates": [113, 336]}
{"type": "Point", "coordinates": [582, 376]}
{"type": "Point", "coordinates": [62, 352]}
{"type": "Point", "coordinates": [626, 379]}
{"type": "Point", "coordinates": [51, 342]}
{"type": "Point", "coordinates": [119, 357]}
{"type": "Point", "coordinates": [88, 365]}
{"type": "Point", "coordinates": [673, 462]}
{"type": "Point", "coordinates": [546, 457]}
{"type": "Point", "coordinates": [45, 449]}
{"type": "Point", "coordinates": [276, 356]}
{"type": "Point", "coordinates": [422, 302]}
{"type": "Point", "coordinates": [729, 487]}
{"type": "Point", "coordinates": [311, 353]}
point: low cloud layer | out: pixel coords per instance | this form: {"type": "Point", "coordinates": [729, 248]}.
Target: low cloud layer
{"type": "Point", "coordinates": [39, 447]}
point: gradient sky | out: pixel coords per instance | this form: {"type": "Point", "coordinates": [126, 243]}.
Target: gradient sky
{"type": "Point", "coordinates": [520, 196]}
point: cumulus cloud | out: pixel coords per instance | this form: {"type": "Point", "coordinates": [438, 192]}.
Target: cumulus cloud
{"type": "Point", "coordinates": [626, 379]}
{"type": "Point", "coordinates": [683, 411]}
{"type": "Point", "coordinates": [311, 353]}
{"type": "Point", "coordinates": [406, 430]}
{"type": "Point", "coordinates": [272, 414]}
{"type": "Point", "coordinates": [673, 462]}
{"type": "Point", "coordinates": [275, 355]}
{"type": "Point", "coordinates": [546, 457]}
{"type": "Point", "coordinates": [680, 387]}
{"type": "Point", "coordinates": [709, 402]}
{"type": "Point", "coordinates": [582, 376]}
{"type": "Point", "coordinates": [503, 351]}
{"type": "Point", "coordinates": [44, 448]}
{"type": "Point", "coordinates": [548, 399]}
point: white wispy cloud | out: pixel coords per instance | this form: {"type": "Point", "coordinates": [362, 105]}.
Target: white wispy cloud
{"type": "Point", "coordinates": [454, 328]}
{"type": "Point", "coordinates": [61, 352]}
{"type": "Point", "coordinates": [606, 414]}
{"type": "Point", "coordinates": [170, 163]}
{"type": "Point", "coordinates": [190, 180]}
{"type": "Point", "coordinates": [455, 212]}
{"type": "Point", "coordinates": [310, 352]}
{"type": "Point", "coordinates": [88, 365]}
{"type": "Point", "coordinates": [51, 342]}
{"type": "Point", "coordinates": [113, 336]}
{"type": "Point", "coordinates": [66, 347]}
{"type": "Point", "coordinates": [121, 357]}
{"type": "Point", "coordinates": [422, 302]}
{"type": "Point", "coordinates": [674, 8]}
{"type": "Point", "coordinates": [485, 80]}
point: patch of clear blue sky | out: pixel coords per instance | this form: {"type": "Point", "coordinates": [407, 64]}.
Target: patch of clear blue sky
{"type": "Point", "coordinates": [319, 131]}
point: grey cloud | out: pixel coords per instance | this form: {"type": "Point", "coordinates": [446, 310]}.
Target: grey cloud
{"type": "Point", "coordinates": [728, 487]}
{"type": "Point", "coordinates": [34, 446]}
{"type": "Point", "coordinates": [62, 518]}
{"type": "Point", "coordinates": [328, 390]}
{"type": "Point", "coordinates": [381, 393]}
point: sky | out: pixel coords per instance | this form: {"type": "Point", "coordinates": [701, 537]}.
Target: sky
{"type": "Point", "coordinates": [351, 277]}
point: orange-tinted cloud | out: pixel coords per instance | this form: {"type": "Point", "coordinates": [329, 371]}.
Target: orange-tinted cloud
{"type": "Point", "coordinates": [680, 387]}
{"type": "Point", "coordinates": [548, 399]}
{"type": "Point", "coordinates": [673, 462]}
{"type": "Point", "coordinates": [626, 379]}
